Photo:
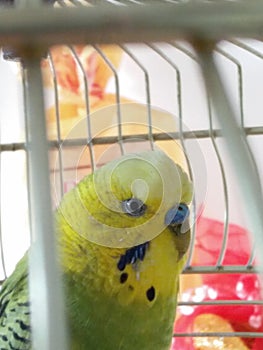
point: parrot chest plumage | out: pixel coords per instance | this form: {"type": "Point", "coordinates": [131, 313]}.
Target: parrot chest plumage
{"type": "Point", "coordinates": [121, 240]}
{"type": "Point", "coordinates": [14, 311]}
{"type": "Point", "coordinates": [128, 308]}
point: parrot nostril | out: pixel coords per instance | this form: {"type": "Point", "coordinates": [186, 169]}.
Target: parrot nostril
{"type": "Point", "coordinates": [123, 277]}
{"type": "Point", "coordinates": [150, 293]}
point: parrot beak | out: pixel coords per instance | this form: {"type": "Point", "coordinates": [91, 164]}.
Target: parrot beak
{"type": "Point", "coordinates": [176, 229]}
{"type": "Point", "coordinates": [180, 229]}
{"type": "Point", "coordinates": [183, 237]}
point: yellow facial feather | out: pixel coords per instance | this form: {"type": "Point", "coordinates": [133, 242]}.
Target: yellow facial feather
{"type": "Point", "coordinates": [93, 211]}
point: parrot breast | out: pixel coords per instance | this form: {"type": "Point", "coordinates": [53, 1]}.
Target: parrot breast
{"type": "Point", "coordinates": [122, 242]}
{"type": "Point", "coordinates": [115, 305]}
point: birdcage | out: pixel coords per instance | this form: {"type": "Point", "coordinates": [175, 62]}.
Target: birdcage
{"type": "Point", "coordinates": [182, 73]}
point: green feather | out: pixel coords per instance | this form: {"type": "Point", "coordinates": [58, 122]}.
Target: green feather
{"type": "Point", "coordinates": [107, 310]}
{"type": "Point", "coordinates": [14, 310]}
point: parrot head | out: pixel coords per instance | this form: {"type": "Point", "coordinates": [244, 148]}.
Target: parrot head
{"type": "Point", "coordinates": [129, 201]}
{"type": "Point", "coordinates": [130, 217]}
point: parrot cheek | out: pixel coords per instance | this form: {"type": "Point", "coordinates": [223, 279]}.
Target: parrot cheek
{"type": "Point", "coordinates": [182, 244]}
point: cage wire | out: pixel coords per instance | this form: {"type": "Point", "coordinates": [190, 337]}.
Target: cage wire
{"type": "Point", "coordinates": [162, 62]}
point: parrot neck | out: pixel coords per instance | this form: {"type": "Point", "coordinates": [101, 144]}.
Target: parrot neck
{"type": "Point", "coordinates": [128, 304]}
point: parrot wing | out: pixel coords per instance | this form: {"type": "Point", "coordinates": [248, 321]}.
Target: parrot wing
{"type": "Point", "coordinates": [14, 310]}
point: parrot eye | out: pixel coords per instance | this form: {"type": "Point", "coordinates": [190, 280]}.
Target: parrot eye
{"type": "Point", "coordinates": [177, 215]}
{"type": "Point", "coordinates": [133, 207]}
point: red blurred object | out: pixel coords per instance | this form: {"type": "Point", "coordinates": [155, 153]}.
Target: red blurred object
{"type": "Point", "coordinates": [209, 236]}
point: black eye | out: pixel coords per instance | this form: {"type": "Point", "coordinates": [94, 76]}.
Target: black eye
{"type": "Point", "coordinates": [133, 207]}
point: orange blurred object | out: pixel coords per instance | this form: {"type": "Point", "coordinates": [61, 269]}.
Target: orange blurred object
{"type": "Point", "coordinates": [68, 68]}
{"type": "Point", "coordinates": [207, 323]}
{"type": "Point", "coordinates": [69, 74]}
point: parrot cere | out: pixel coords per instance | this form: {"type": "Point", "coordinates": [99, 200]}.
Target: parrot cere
{"type": "Point", "coordinates": [122, 235]}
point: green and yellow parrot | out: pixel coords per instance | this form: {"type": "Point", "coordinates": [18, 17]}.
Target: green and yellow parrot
{"type": "Point", "coordinates": [122, 234]}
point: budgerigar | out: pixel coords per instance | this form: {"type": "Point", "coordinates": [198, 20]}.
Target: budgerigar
{"type": "Point", "coordinates": [122, 235]}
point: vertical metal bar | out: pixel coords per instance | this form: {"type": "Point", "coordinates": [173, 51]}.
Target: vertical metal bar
{"type": "Point", "coordinates": [1, 237]}
{"type": "Point", "coordinates": [224, 183]}
{"type": "Point", "coordinates": [211, 134]}
{"type": "Point", "coordinates": [240, 80]}
{"type": "Point", "coordinates": [47, 317]}
{"type": "Point", "coordinates": [118, 101]}
{"type": "Point", "coordinates": [182, 141]}
{"type": "Point", "coordinates": [244, 166]}
{"type": "Point", "coordinates": [220, 162]}
{"type": "Point", "coordinates": [147, 91]}
{"type": "Point", "coordinates": [258, 54]}
{"type": "Point", "coordinates": [23, 75]}
{"type": "Point", "coordinates": [57, 111]}
{"type": "Point", "coordinates": [87, 106]}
